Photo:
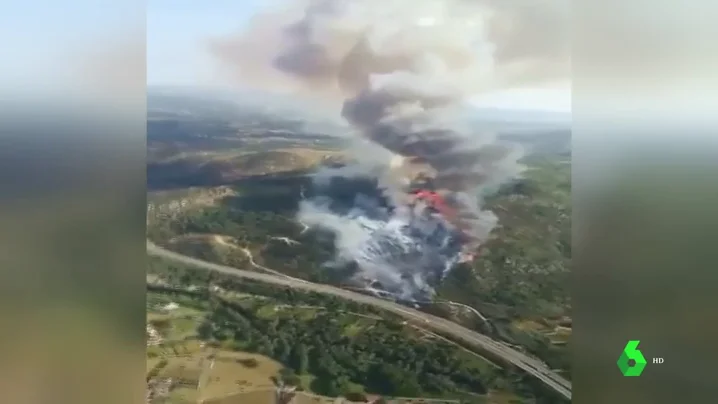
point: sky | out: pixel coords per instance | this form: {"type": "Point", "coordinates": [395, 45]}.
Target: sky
{"type": "Point", "coordinates": [176, 53]}
{"type": "Point", "coordinates": [176, 31]}
{"type": "Point", "coordinates": [43, 40]}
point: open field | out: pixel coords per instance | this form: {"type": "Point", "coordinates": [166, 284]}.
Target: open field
{"type": "Point", "coordinates": [208, 374]}
{"type": "Point", "coordinates": [237, 372]}
{"type": "Point", "coordinates": [198, 371]}
{"type": "Point", "coordinates": [171, 349]}
{"type": "Point", "coordinates": [178, 324]}
{"type": "Point", "coordinates": [205, 373]}
{"type": "Point", "coordinates": [183, 395]}
{"type": "Point", "coordinates": [258, 396]}
{"type": "Point", "coordinates": [556, 334]}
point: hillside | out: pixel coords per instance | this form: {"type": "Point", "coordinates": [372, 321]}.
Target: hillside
{"type": "Point", "coordinates": [214, 168]}
{"type": "Point", "coordinates": [519, 281]}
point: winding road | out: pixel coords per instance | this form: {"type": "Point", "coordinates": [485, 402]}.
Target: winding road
{"type": "Point", "coordinates": [530, 365]}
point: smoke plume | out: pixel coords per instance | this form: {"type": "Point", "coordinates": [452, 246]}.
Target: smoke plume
{"type": "Point", "coordinates": [400, 69]}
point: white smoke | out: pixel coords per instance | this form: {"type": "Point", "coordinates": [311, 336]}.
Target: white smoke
{"type": "Point", "coordinates": [406, 255]}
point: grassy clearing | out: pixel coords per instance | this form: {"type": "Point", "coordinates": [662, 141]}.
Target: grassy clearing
{"type": "Point", "coordinates": [175, 325]}
{"type": "Point", "coordinates": [356, 327]}
{"type": "Point", "coordinates": [481, 364]}
{"type": "Point", "coordinates": [557, 335]}
{"type": "Point", "coordinates": [183, 328]}
{"type": "Point", "coordinates": [237, 372]}
{"type": "Point", "coordinates": [218, 373]}
{"type": "Point", "coordinates": [561, 335]}
{"type": "Point", "coordinates": [152, 362]}
{"type": "Point", "coordinates": [187, 369]}
{"type": "Point", "coordinates": [268, 311]}
{"type": "Point", "coordinates": [304, 313]}
{"type": "Point", "coordinates": [183, 395]}
{"type": "Point", "coordinates": [190, 347]}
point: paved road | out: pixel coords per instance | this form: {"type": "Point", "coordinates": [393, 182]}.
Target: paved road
{"type": "Point", "coordinates": [520, 360]}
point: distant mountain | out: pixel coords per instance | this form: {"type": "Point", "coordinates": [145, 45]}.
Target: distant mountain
{"type": "Point", "coordinates": [554, 143]}
{"type": "Point", "coordinates": [541, 132]}
{"type": "Point", "coordinates": [231, 105]}
{"type": "Point", "coordinates": [223, 104]}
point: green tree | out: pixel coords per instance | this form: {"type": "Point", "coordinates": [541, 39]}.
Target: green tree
{"type": "Point", "coordinates": [283, 351]}
{"type": "Point", "coordinates": [300, 359]}
{"type": "Point", "coordinates": [391, 380]}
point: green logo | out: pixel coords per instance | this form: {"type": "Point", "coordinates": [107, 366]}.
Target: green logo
{"type": "Point", "coordinates": [631, 353]}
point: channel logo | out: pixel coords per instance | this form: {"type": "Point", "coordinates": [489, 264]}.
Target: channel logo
{"type": "Point", "coordinates": [632, 362]}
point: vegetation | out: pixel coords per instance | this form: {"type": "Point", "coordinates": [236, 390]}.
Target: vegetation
{"type": "Point", "coordinates": [330, 346]}
{"type": "Point", "coordinates": [520, 278]}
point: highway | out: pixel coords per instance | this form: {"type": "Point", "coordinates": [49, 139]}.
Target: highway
{"type": "Point", "coordinates": [530, 365]}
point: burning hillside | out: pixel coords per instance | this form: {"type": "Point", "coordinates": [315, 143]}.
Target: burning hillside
{"type": "Point", "coordinates": [401, 68]}
{"type": "Point", "coordinates": [405, 250]}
